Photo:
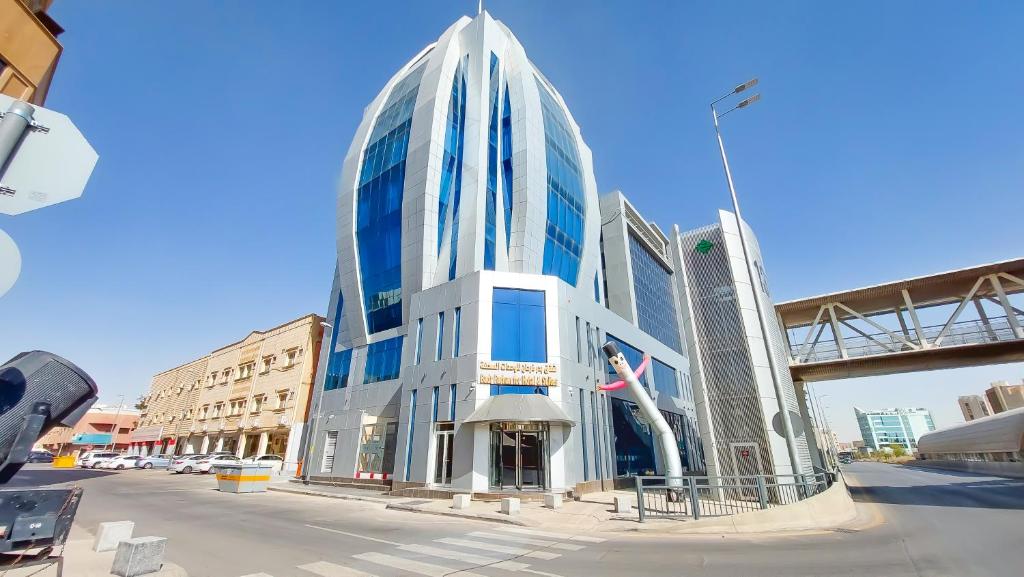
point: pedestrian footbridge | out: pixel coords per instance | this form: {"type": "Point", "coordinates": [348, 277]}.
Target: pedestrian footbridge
{"type": "Point", "coordinates": [961, 318]}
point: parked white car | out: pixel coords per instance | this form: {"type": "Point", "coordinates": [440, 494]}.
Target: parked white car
{"type": "Point", "coordinates": [208, 463]}
{"type": "Point", "coordinates": [186, 463]}
{"type": "Point", "coordinates": [120, 462]}
{"type": "Point", "coordinates": [274, 462]}
{"type": "Point", "coordinates": [92, 459]}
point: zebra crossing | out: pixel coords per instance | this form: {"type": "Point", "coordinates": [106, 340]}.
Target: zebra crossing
{"type": "Point", "coordinates": [501, 551]}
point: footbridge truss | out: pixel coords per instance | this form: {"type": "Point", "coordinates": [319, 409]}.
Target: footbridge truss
{"type": "Point", "coordinates": [961, 318]}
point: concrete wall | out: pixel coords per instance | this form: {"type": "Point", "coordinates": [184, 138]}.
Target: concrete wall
{"type": "Point", "coordinates": [999, 469]}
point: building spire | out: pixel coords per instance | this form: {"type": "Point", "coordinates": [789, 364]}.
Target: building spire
{"type": "Point", "coordinates": [480, 7]}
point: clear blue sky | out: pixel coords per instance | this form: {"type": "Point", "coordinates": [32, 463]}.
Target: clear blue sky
{"type": "Point", "coordinates": [888, 144]}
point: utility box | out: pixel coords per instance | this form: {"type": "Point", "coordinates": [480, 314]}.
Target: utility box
{"type": "Point", "coordinates": [243, 478]}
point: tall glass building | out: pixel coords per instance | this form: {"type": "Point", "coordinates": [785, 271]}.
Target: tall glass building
{"type": "Point", "coordinates": [882, 428]}
{"type": "Point", "coordinates": [471, 294]}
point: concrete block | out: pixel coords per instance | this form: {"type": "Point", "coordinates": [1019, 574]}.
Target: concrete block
{"type": "Point", "coordinates": [139, 556]}
{"type": "Point", "coordinates": [510, 506]}
{"type": "Point", "coordinates": [460, 502]}
{"type": "Point", "coordinates": [623, 505]}
{"type": "Point", "coordinates": [552, 501]}
{"type": "Point", "coordinates": [112, 533]}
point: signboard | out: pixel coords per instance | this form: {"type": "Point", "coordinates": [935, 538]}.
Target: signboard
{"type": "Point", "coordinates": [745, 453]}
{"type": "Point", "coordinates": [51, 164]}
{"type": "Point", "coordinates": [515, 373]}
{"type": "Point", "coordinates": [92, 439]}
{"type": "Point", "coordinates": [147, 434]}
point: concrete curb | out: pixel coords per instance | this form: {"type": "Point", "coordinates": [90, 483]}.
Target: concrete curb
{"type": "Point", "coordinates": [832, 509]}
{"type": "Point", "coordinates": [492, 517]}
{"type": "Point", "coordinates": [81, 561]}
{"type": "Point", "coordinates": [342, 496]}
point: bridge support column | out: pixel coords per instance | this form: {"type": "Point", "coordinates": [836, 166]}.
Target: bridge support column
{"type": "Point", "coordinates": [810, 427]}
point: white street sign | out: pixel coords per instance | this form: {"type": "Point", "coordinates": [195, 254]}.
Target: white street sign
{"type": "Point", "coordinates": [52, 163]}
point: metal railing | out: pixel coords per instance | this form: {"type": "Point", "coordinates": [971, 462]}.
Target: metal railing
{"type": "Point", "coordinates": [702, 496]}
{"type": "Point", "coordinates": [961, 333]}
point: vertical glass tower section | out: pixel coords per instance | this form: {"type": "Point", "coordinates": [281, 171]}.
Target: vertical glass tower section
{"type": "Point", "coordinates": [506, 165]}
{"type": "Point", "coordinates": [491, 222]}
{"type": "Point", "coordinates": [451, 177]}
{"type": "Point", "coordinates": [563, 245]}
{"type": "Point", "coordinates": [379, 207]}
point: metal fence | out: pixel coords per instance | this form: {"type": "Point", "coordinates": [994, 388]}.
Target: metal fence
{"type": "Point", "coordinates": [695, 497]}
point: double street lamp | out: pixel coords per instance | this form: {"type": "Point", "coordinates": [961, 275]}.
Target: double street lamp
{"type": "Point", "coordinates": [784, 415]}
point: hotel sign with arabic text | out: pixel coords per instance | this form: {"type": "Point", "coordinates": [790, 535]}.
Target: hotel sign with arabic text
{"type": "Point", "coordinates": [517, 373]}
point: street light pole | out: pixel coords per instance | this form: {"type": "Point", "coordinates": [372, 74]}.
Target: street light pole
{"type": "Point", "coordinates": [787, 426]}
{"type": "Point", "coordinates": [311, 438]}
{"type": "Point", "coordinates": [117, 415]}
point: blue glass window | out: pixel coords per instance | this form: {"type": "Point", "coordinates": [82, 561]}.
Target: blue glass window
{"type": "Point", "coordinates": [457, 336]}
{"type": "Point", "coordinates": [633, 355]}
{"type": "Point", "coordinates": [419, 341]}
{"type": "Point", "coordinates": [518, 332]}
{"type": "Point", "coordinates": [583, 436]}
{"type": "Point", "coordinates": [597, 290]}
{"type": "Point", "coordinates": [563, 245]}
{"type": "Point", "coordinates": [452, 389]}
{"type": "Point", "coordinates": [451, 175]}
{"type": "Point", "coordinates": [491, 217]}
{"type": "Point", "coordinates": [655, 301]}
{"type": "Point", "coordinates": [434, 400]}
{"type": "Point", "coordinates": [412, 432]}
{"type": "Point", "coordinates": [665, 378]}
{"type": "Point", "coordinates": [339, 362]}
{"type": "Point", "coordinates": [383, 360]}
{"type": "Point", "coordinates": [634, 443]}
{"type": "Point", "coordinates": [379, 207]}
{"type": "Point", "coordinates": [506, 165]}
{"type": "Point", "coordinates": [439, 348]}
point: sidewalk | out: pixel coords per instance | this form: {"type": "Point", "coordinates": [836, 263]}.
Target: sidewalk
{"type": "Point", "coordinates": [595, 512]}
{"type": "Point", "coordinates": [81, 561]}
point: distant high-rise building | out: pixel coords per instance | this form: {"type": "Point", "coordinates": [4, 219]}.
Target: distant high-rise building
{"type": "Point", "coordinates": [974, 407]}
{"type": "Point", "coordinates": [1002, 396]}
{"type": "Point", "coordinates": [881, 428]}
{"type": "Point", "coordinates": [29, 49]}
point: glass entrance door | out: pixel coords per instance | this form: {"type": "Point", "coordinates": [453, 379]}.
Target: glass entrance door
{"type": "Point", "coordinates": [518, 457]}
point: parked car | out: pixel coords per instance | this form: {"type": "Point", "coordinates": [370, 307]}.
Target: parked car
{"type": "Point", "coordinates": [186, 463]}
{"type": "Point", "coordinates": [275, 462]}
{"type": "Point", "coordinates": [155, 461]}
{"type": "Point", "coordinates": [40, 457]}
{"type": "Point", "coordinates": [92, 459]}
{"type": "Point", "coordinates": [211, 461]}
{"type": "Point", "coordinates": [120, 463]}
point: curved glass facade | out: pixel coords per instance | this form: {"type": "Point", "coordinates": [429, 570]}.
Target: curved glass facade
{"type": "Point", "coordinates": [655, 301]}
{"type": "Point", "coordinates": [506, 165]}
{"type": "Point", "coordinates": [451, 174]}
{"type": "Point", "coordinates": [379, 207]}
{"type": "Point", "coordinates": [491, 218]}
{"type": "Point", "coordinates": [563, 245]}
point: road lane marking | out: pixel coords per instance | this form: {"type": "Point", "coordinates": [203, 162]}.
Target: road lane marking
{"type": "Point", "coordinates": [325, 569]}
{"type": "Point", "coordinates": [258, 575]}
{"type": "Point", "coordinates": [469, 543]}
{"type": "Point", "coordinates": [357, 535]}
{"type": "Point", "coordinates": [418, 567]}
{"type": "Point", "coordinates": [527, 540]}
{"type": "Point", "coordinates": [583, 538]}
{"type": "Point", "coordinates": [471, 558]}
{"type": "Point", "coordinates": [544, 573]}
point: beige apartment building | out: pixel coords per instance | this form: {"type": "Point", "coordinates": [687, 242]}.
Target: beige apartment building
{"type": "Point", "coordinates": [249, 397]}
{"type": "Point", "coordinates": [29, 49]}
{"type": "Point", "coordinates": [1002, 396]}
{"type": "Point", "coordinates": [974, 407]}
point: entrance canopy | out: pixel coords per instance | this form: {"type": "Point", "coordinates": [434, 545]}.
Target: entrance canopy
{"type": "Point", "coordinates": [529, 408]}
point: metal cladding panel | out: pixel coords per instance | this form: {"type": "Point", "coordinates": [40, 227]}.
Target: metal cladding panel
{"type": "Point", "coordinates": [727, 370]}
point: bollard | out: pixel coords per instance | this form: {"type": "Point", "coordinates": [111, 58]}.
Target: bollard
{"type": "Point", "coordinates": [510, 506]}
{"type": "Point", "coordinates": [552, 501]}
{"type": "Point", "coordinates": [110, 534]}
{"type": "Point", "coordinates": [460, 501]}
{"type": "Point", "coordinates": [139, 556]}
{"type": "Point", "coordinates": [623, 505]}
{"type": "Point", "coordinates": [762, 492]}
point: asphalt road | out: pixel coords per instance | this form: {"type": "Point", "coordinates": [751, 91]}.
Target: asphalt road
{"type": "Point", "coordinates": [925, 523]}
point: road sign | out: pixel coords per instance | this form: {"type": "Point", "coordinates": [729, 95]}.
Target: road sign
{"type": "Point", "coordinates": [745, 453]}
{"type": "Point", "coordinates": [51, 163]}
{"type": "Point", "coordinates": [10, 262]}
